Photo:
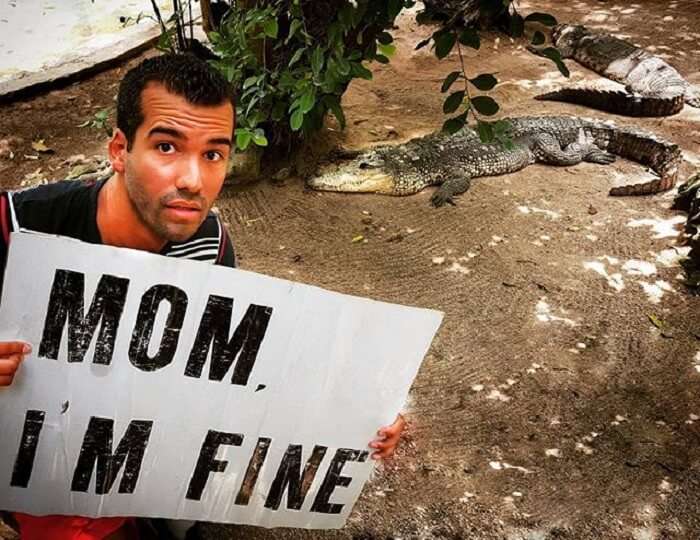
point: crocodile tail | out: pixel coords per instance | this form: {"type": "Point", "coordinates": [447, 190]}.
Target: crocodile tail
{"type": "Point", "coordinates": [663, 157]}
{"type": "Point", "coordinates": [617, 102]}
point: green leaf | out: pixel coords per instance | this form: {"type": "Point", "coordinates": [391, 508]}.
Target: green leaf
{"type": "Point", "coordinates": [259, 139]}
{"type": "Point", "coordinates": [544, 18]}
{"type": "Point", "coordinates": [229, 72]}
{"type": "Point", "coordinates": [537, 38]}
{"type": "Point", "coordinates": [385, 38]}
{"type": "Point", "coordinates": [250, 81]}
{"type": "Point", "coordinates": [360, 71]}
{"type": "Point", "coordinates": [453, 125]}
{"type": "Point", "coordinates": [485, 130]}
{"type": "Point", "coordinates": [484, 82]}
{"type": "Point", "coordinates": [449, 80]}
{"type": "Point", "coordinates": [555, 56]}
{"type": "Point", "coordinates": [243, 138]}
{"type": "Point", "coordinates": [485, 105]}
{"type": "Point", "coordinates": [470, 38]}
{"type": "Point", "coordinates": [453, 102]}
{"type": "Point", "coordinates": [295, 25]}
{"type": "Point", "coordinates": [296, 120]}
{"type": "Point", "coordinates": [381, 59]}
{"type": "Point", "coordinates": [343, 66]}
{"type": "Point", "coordinates": [306, 102]}
{"type": "Point", "coordinates": [387, 50]}
{"type": "Point", "coordinates": [444, 41]}
{"type": "Point", "coordinates": [422, 44]}
{"type": "Point", "coordinates": [296, 56]}
{"type": "Point", "coordinates": [317, 60]}
{"type": "Point", "coordinates": [270, 27]}
{"type": "Point", "coordinates": [333, 104]}
{"type": "Point", "coordinates": [501, 128]}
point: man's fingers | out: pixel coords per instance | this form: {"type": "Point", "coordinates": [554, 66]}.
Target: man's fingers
{"type": "Point", "coordinates": [394, 429]}
{"type": "Point", "coordinates": [383, 445]}
{"type": "Point", "coordinates": [6, 380]}
{"type": "Point", "coordinates": [382, 454]}
{"type": "Point", "coordinates": [390, 431]}
{"type": "Point", "coordinates": [8, 366]}
{"type": "Point", "coordinates": [14, 347]}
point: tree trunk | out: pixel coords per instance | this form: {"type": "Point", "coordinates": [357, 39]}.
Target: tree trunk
{"type": "Point", "coordinates": [207, 22]}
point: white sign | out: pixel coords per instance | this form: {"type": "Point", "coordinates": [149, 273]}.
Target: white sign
{"type": "Point", "coordinates": [170, 388]}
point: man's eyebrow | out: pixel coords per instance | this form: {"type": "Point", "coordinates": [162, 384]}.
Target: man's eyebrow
{"type": "Point", "coordinates": [178, 135]}
{"type": "Point", "coordinates": [166, 131]}
{"type": "Point", "coordinates": [220, 140]}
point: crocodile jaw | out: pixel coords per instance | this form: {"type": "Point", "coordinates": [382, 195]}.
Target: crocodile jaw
{"type": "Point", "coordinates": [355, 180]}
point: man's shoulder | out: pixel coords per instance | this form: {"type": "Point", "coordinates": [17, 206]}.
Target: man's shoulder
{"type": "Point", "coordinates": [49, 193]}
{"type": "Point", "coordinates": [62, 208]}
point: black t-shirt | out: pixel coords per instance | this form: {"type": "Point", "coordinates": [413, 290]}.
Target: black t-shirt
{"type": "Point", "coordinates": [70, 209]}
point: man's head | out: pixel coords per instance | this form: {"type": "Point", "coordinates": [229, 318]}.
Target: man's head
{"type": "Point", "coordinates": [175, 122]}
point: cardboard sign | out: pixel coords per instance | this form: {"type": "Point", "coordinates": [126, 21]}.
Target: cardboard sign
{"type": "Point", "coordinates": [160, 387]}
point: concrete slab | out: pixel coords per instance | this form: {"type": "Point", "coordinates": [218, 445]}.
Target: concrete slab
{"type": "Point", "coordinates": [44, 41]}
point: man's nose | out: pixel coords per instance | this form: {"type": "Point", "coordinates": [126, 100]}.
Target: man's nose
{"type": "Point", "coordinates": [190, 177]}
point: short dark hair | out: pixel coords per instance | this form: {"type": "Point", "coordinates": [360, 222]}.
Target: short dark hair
{"type": "Point", "coordinates": [182, 74]}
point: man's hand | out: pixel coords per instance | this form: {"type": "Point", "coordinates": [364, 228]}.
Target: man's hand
{"type": "Point", "coordinates": [388, 438]}
{"type": "Point", "coordinates": [11, 355]}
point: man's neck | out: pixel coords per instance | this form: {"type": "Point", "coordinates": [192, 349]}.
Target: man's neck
{"type": "Point", "coordinates": [118, 222]}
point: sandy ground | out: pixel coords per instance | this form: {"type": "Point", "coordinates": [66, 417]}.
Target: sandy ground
{"type": "Point", "coordinates": [549, 406]}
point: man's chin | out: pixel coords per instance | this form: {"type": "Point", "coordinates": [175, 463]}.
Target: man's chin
{"type": "Point", "coordinates": [180, 233]}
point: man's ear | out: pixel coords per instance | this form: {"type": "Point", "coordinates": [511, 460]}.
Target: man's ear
{"type": "Point", "coordinates": [117, 151]}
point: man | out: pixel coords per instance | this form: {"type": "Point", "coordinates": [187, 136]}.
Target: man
{"type": "Point", "coordinates": [175, 121]}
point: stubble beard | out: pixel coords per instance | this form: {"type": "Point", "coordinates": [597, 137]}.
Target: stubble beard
{"type": "Point", "coordinates": [149, 213]}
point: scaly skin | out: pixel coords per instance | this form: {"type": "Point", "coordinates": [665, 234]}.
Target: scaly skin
{"type": "Point", "coordinates": [452, 161]}
{"type": "Point", "coordinates": [654, 88]}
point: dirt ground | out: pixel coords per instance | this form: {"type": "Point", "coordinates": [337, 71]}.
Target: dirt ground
{"type": "Point", "coordinates": [550, 406]}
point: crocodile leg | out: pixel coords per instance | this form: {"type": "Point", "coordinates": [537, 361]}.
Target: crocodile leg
{"type": "Point", "coordinates": [455, 185]}
{"type": "Point", "coordinates": [547, 150]}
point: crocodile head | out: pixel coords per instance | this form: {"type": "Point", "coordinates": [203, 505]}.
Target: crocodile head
{"type": "Point", "coordinates": [367, 173]}
{"type": "Point", "coordinates": [566, 37]}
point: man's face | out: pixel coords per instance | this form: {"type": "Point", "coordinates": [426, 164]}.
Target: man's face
{"type": "Point", "coordinates": [177, 162]}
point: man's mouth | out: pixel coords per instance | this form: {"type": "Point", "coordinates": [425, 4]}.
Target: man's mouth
{"type": "Point", "coordinates": [184, 210]}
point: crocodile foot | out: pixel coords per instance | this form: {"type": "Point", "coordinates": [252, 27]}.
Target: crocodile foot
{"type": "Point", "coordinates": [439, 199]}
{"type": "Point", "coordinates": [603, 158]}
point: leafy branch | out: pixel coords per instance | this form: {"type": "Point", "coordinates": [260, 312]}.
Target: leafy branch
{"type": "Point", "coordinates": [455, 32]}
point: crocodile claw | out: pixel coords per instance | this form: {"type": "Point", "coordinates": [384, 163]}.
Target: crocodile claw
{"type": "Point", "coordinates": [439, 199]}
{"type": "Point", "coordinates": [603, 158]}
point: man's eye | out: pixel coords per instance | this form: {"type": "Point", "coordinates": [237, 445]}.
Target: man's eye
{"type": "Point", "coordinates": [165, 147]}
{"type": "Point", "coordinates": [213, 155]}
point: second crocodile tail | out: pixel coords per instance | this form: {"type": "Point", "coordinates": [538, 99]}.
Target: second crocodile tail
{"type": "Point", "coordinates": [617, 102]}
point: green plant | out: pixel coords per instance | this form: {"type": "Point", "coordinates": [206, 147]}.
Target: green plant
{"type": "Point", "coordinates": [455, 32]}
{"type": "Point", "coordinates": [100, 121]}
{"type": "Point", "coordinates": [293, 60]}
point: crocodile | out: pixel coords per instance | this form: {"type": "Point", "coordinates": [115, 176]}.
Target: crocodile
{"type": "Point", "coordinates": [652, 86]}
{"type": "Point", "coordinates": [688, 200]}
{"type": "Point", "coordinates": [451, 161]}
